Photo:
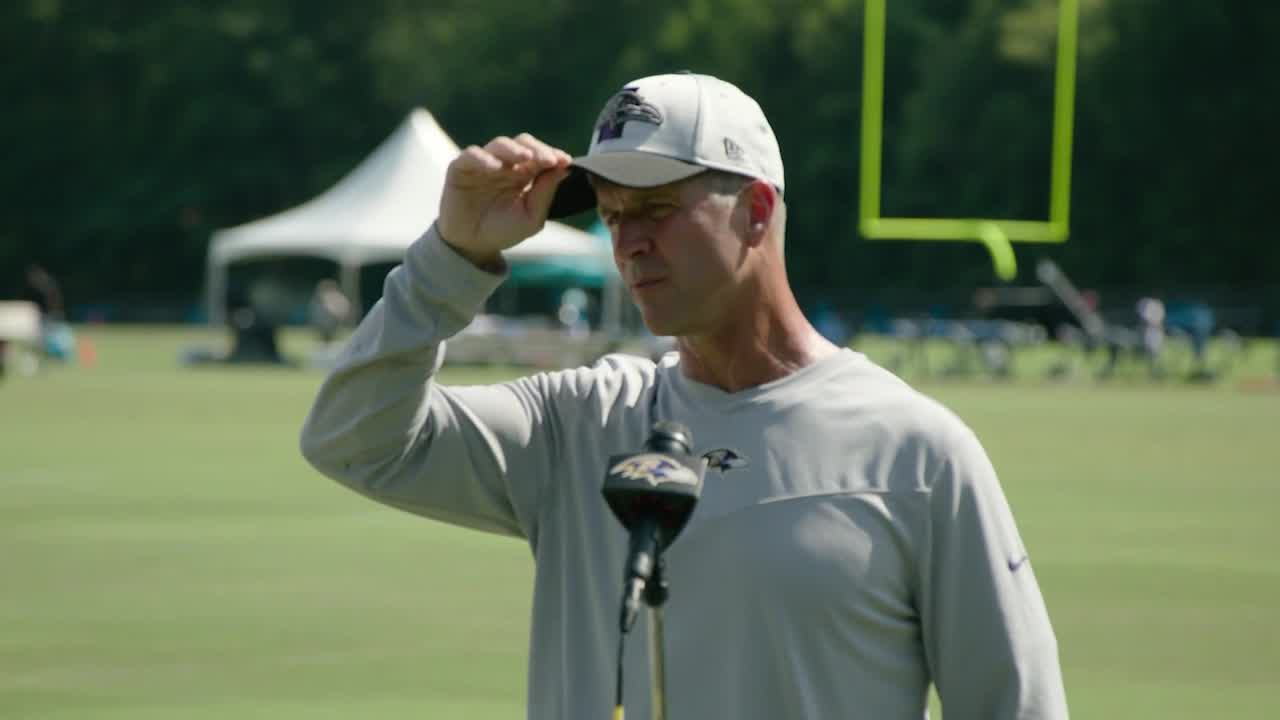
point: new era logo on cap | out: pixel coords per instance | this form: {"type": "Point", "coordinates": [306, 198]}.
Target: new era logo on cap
{"type": "Point", "coordinates": [665, 128]}
{"type": "Point", "coordinates": [733, 150]}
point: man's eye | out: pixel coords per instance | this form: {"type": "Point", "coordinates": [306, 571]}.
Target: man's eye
{"type": "Point", "coordinates": [658, 212]}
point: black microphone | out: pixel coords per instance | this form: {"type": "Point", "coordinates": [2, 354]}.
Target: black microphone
{"type": "Point", "coordinates": [652, 493]}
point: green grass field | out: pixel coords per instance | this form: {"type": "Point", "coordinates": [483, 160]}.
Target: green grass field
{"type": "Point", "coordinates": [166, 553]}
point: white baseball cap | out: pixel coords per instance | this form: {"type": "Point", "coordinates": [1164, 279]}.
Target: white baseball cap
{"type": "Point", "coordinates": [665, 128]}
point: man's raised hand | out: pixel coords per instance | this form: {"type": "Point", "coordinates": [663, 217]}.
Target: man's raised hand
{"type": "Point", "coordinates": [498, 195]}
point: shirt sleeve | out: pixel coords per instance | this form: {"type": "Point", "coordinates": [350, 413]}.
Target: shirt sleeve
{"type": "Point", "coordinates": [990, 646]}
{"type": "Point", "coordinates": [381, 425]}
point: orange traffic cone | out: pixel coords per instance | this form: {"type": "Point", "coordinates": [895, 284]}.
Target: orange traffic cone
{"type": "Point", "coordinates": [88, 352]}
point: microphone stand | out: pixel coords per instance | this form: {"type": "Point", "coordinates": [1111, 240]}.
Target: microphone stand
{"type": "Point", "coordinates": [655, 596]}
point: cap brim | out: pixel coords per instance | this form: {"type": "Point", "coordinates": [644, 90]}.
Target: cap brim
{"type": "Point", "coordinates": [574, 195]}
{"type": "Point", "coordinates": [629, 169]}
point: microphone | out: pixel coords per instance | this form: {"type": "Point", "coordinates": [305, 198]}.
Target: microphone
{"type": "Point", "coordinates": [652, 493]}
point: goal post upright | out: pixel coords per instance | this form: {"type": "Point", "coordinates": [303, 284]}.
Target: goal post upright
{"type": "Point", "coordinates": [995, 234]}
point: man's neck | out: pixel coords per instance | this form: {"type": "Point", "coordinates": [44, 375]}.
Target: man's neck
{"type": "Point", "coordinates": [754, 349]}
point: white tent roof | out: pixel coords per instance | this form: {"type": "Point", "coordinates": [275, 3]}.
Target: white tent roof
{"type": "Point", "coordinates": [378, 209]}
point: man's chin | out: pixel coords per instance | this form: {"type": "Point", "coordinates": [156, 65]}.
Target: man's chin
{"type": "Point", "coordinates": [661, 326]}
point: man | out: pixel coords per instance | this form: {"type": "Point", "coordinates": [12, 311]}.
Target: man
{"type": "Point", "coordinates": [57, 341]}
{"type": "Point", "coordinates": [328, 310]}
{"type": "Point", "coordinates": [44, 291]}
{"type": "Point", "coordinates": [852, 543]}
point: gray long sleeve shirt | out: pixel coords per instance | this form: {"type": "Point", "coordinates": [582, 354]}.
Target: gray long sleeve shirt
{"type": "Point", "coordinates": [851, 546]}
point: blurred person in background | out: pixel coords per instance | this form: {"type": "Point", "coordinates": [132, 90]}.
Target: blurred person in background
{"type": "Point", "coordinates": [57, 340]}
{"type": "Point", "coordinates": [329, 309]}
{"type": "Point", "coordinates": [43, 290]}
{"type": "Point", "coordinates": [1151, 317]}
{"type": "Point", "coordinates": [852, 544]}
{"type": "Point", "coordinates": [574, 311]}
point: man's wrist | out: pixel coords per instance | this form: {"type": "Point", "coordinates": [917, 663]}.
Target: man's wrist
{"type": "Point", "coordinates": [492, 263]}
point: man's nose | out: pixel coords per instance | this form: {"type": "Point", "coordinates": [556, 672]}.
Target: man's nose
{"type": "Point", "coordinates": [632, 237]}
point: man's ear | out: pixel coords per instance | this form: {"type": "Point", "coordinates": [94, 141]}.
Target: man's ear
{"type": "Point", "coordinates": [762, 200]}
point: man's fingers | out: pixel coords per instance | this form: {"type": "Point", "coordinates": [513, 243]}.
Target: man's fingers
{"type": "Point", "coordinates": [524, 154]}
{"type": "Point", "coordinates": [509, 151]}
{"type": "Point", "coordinates": [546, 156]}
{"type": "Point", "coordinates": [523, 169]}
{"type": "Point", "coordinates": [502, 162]}
{"type": "Point", "coordinates": [477, 159]}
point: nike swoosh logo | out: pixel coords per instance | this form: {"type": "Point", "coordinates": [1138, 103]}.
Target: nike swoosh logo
{"type": "Point", "coordinates": [1015, 564]}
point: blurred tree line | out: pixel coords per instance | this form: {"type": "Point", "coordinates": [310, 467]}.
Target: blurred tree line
{"type": "Point", "coordinates": [136, 128]}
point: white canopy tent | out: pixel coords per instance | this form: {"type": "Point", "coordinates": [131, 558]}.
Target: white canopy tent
{"type": "Point", "coordinates": [372, 215]}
